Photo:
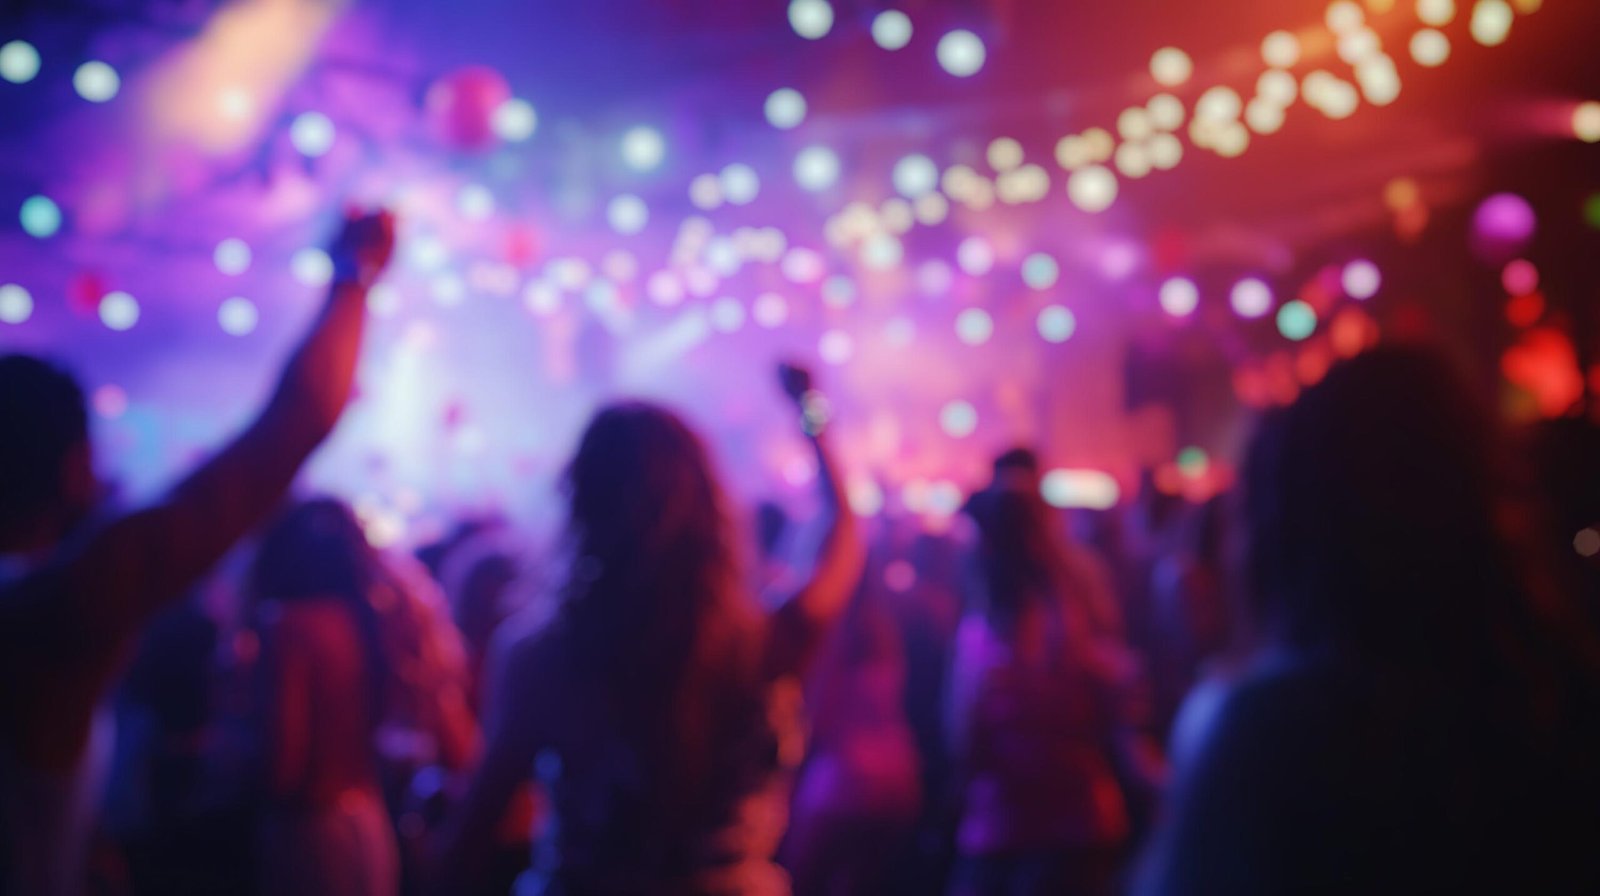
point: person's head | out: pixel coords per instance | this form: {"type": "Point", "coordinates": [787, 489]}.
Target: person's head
{"type": "Point", "coordinates": [1019, 465]}
{"type": "Point", "coordinates": [46, 466]}
{"type": "Point", "coordinates": [1014, 548]}
{"type": "Point", "coordinates": [314, 549]}
{"type": "Point", "coordinates": [652, 547]}
{"type": "Point", "coordinates": [1374, 512]}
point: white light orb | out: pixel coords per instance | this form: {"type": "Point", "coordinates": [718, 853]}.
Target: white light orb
{"type": "Point", "coordinates": [1165, 112]}
{"type": "Point", "coordinates": [1092, 188]}
{"type": "Point", "coordinates": [475, 202]}
{"type": "Point", "coordinates": [882, 252]}
{"type": "Point", "coordinates": [705, 191]}
{"type": "Point", "coordinates": [739, 183]}
{"type": "Point", "coordinates": [770, 310]}
{"type": "Point", "coordinates": [958, 419]}
{"type": "Point", "coordinates": [1586, 122]}
{"type": "Point", "coordinates": [237, 316]}
{"type": "Point", "coordinates": [1250, 298]}
{"type": "Point", "coordinates": [1263, 116]}
{"type": "Point", "coordinates": [16, 304]}
{"type": "Point", "coordinates": [119, 311]}
{"type": "Point", "coordinates": [1171, 67]}
{"type": "Point", "coordinates": [96, 82]}
{"type": "Point", "coordinates": [932, 209]}
{"type": "Point", "coordinates": [232, 256]}
{"type": "Point", "coordinates": [1277, 87]}
{"type": "Point", "coordinates": [1430, 48]}
{"type": "Point", "coordinates": [1179, 296]}
{"type": "Point", "coordinates": [1132, 160]}
{"type": "Point", "coordinates": [312, 267]}
{"type": "Point", "coordinates": [541, 297]}
{"type": "Point", "coordinates": [1361, 279]}
{"type": "Point", "coordinates": [1280, 49]}
{"type": "Point", "coordinates": [961, 53]}
{"type": "Point", "coordinates": [312, 134]}
{"type": "Point", "coordinates": [835, 347]}
{"type": "Point", "coordinates": [19, 62]}
{"type": "Point", "coordinates": [627, 213]}
{"type": "Point", "coordinates": [1004, 153]}
{"type": "Point", "coordinates": [785, 108]}
{"type": "Point", "coordinates": [1040, 270]}
{"type": "Point", "coordinates": [1344, 15]}
{"type": "Point", "coordinates": [514, 120]}
{"type": "Point", "coordinates": [1437, 13]}
{"type": "Point", "coordinates": [1165, 151]}
{"type": "Point", "coordinates": [974, 326]}
{"type": "Point", "coordinates": [891, 29]}
{"type": "Point", "coordinates": [664, 289]}
{"type": "Point", "coordinates": [915, 175]}
{"type": "Point", "coordinates": [383, 300]}
{"type": "Point", "coordinates": [1056, 324]}
{"type": "Point", "coordinates": [975, 256]}
{"type": "Point", "coordinates": [1491, 22]}
{"type": "Point", "coordinates": [643, 148]}
{"type": "Point", "coordinates": [1219, 104]}
{"type": "Point", "coordinates": [811, 19]}
{"type": "Point", "coordinates": [816, 168]}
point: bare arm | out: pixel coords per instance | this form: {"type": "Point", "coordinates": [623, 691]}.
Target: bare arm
{"type": "Point", "coordinates": [138, 563]}
{"type": "Point", "coordinates": [814, 608]}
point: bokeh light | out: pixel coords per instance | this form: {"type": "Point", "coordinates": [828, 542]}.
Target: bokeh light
{"type": "Point", "coordinates": [312, 134]}
{"type": "Point", "coordinates": [891, 29]}
{"type": "Point", "coordinates": [1587, 542]}
{"type": "Point", "coordinates": [1297, 320]}
{"type": "Point", "coordinates": [1040, 270]}
{"type": "Point", "coordinates": [740, 184]}
{"type": "Point", "coordinates": [232, 256]}
{"type": "Point", "coordinates": [643, 148]}
{"type": "Point", "coordinates": [705, 191]}
{"type": "Point", "coordinates": [770, 310]}
{"type": "Point", "coordinates": [727, 315]}
{"type": "Point", "coordinates": [915, 175]}
{"type": "Point", "coordinates": [974, 326]}
{"type": "Point", "coordinates": [16, 304]}
{"type": "Point", "coordinates": [1520, 277]}
{"type": "Point", "coordinates": [815, 168]}
{"type": "Point", "coordinates": [1219, 104]}
{"type": "Point", "coordinates": [1586, 122]}
{"type": "Point", "coordinates": [312, 267]}
{"type": "Point", "coordinates": [1280, 49]}
{"type": "Point", "coordinates": [1165, 112]}
{"type": "Point", "coordinates": [1437, 13]}
{"type": "Point", "coordinates": [475, 202]}
{"type": "Point", "coordinates": [1250, 298]}
{"type": "Point", "coordinates": [1503, 222]}
{"type": "Point", "coordinates": [958, 419]}
{"type": "Point", "coordinates": [627, 214]}
{"type": "Point", "coordinates": [1004, 153]}
{"type": "Point", "coordinates": [237, 316]}
{"type": "Point", "coordinates": [119, 311]}
{"type": "Point", "coordinates": [1056, 324]}
{"type": "Point", "coordinates": [1092, 188]}
{"type": "Point", "coordinates": [1179, 296]}
{"type": "Point", "coordinates": [1087, 489]}
{"type": "Point", "coordinates": [785, 108]}
{"type": "Point", "coordinates": [515, 120]}
{"type": "Point", "coordinates": [961, 53]}
{"type": "Point", "coordinates": [1360, 279]}
{"type": "Point", "coordinates": [975, 256]}
{"type": "Point", "coordinates": [1430, 48]}
{"type": "Point", "coordinates": [1171, 67]}
{"type": "Point", "coordinates": [40, 217]}
{"type": "Point", "coordinates": [811, 19]}
{"type": "Point", "coordinates": [19, 62]}
{"type": "Point", "coordinates": [96, 82]}
{"type": "Point", "coordinates": [1491, 22]}
{"type": "Point", "coordinates": [1277, 87]}
{"type": "Point", "coordinates": [835, 347]}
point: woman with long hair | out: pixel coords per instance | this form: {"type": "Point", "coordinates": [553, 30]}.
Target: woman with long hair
{"type": "Point", "coordinates": [1035, 704]}
{"type": "Point", "coordinates": [656, 705]}
{"type": "Point", "coordinates": [325, 829]}
{"type": "Point", "coordinates": [1421, 711]}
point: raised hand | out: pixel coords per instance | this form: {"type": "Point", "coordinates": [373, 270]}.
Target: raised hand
{"type": "Point", "coordinates": [363, 247]}
{"type": "Point", "coordinates": [795, 380]}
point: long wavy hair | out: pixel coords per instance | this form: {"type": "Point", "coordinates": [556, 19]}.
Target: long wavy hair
{"type": "Point", "coordinates": [654, 602]}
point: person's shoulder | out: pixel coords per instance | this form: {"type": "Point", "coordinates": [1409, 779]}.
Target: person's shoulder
{"type": "Point", "coordinates": [531, 641]}
{"type": "Point", "coordinates": [1269, 710]}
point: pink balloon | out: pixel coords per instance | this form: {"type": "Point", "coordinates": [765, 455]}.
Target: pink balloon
{"type": "Point", "coordinates": [461, 107]}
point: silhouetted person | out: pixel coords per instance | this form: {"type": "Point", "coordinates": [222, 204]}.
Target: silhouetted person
{"type": "Point", "coordinates": [74, 591]}
{"type": "Point", "coordinates": [1035, 711]}
{"type": "Point", "coordinates": [1423, 718]}
{"type": "Point", "coordinates": [658, 705]}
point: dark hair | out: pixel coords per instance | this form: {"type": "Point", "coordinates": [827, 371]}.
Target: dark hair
{"type": "Point", "coordinates": [653, 603]}
{"type": "Point", "coordinates": [43, 418]}
{"type": "Point", "coordinates": [1021, 459]}
{"type": "Point", "coordinates": [316, 550]}
{"type": "Point", "coordinates": [1384, 523]}
{"type": "Point", "coordinates": [1014, 551]}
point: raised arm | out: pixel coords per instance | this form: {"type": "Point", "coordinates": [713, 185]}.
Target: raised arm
{"type": "Point", "coordinates": [841, 555]}
{"type": "Point", "coordinates": [134, 565]}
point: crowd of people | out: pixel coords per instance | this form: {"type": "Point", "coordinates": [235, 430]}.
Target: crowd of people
{"type": "Point", "coordinates": [1371, 668]}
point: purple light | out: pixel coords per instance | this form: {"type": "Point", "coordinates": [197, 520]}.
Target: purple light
{"type": "Point", "coordinates": [1503, 224]}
